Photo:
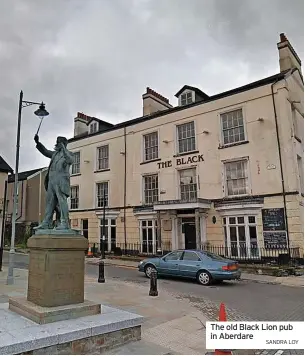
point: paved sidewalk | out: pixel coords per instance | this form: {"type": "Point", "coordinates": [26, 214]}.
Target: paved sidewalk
{"type": "Point", "coordinates": [18, 289]}
{"type": "Point", "coordinates": [171, 326]}
{"type": "Point", "coordinates": [291, 281]}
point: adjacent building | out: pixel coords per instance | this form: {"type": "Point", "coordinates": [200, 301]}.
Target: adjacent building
{"type": "Point", "coordinates": [221, 170]}
{"type": "Point", "coordinates": [5, 169]}
{"type": "Point", "coordinates": [31, 197]}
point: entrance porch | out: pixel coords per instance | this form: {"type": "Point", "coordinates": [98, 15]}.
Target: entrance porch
{"type": "Point", "coordinates": [187, 221]}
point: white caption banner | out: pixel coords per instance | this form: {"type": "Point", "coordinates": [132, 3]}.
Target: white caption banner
{"type": "Point", "coordinates": [254, 335]}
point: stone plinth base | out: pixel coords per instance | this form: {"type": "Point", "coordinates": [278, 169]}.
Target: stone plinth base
{"type": "Point", "coordinates": [56, 269]}
{"type": "Point", "coordinates": [44, 315]}
{"type": "Point", "coordinates": [92, 345]}
{"type": "Point", "coordinates": [96, 334]}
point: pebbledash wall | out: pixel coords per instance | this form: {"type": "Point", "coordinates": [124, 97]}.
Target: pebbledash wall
{"type": "Point", "coordinates": [206, 170]}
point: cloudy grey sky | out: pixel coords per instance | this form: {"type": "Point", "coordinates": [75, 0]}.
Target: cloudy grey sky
{"type": "Point", "coordinates": [98, 56]}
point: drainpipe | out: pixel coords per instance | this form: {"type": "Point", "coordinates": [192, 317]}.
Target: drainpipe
{"type": "Point", "coordinates": [125, 183]}
{"type": "Point", "coordinates": [159, 243]}
{"type": "Point", "coordinates": [21, 202]}
{"type": "Point", "coordinates": [281, 163]}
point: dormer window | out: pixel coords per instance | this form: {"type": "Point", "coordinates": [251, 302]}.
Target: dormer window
{"type": "Point", "coordinates": [93, 127]}
{"type": "Point", "coordinates": [188, 95]}
{"type": "Point", "coordinates": [186, 98]}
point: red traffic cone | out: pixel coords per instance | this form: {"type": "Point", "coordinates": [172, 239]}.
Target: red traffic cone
{"type": "Point", "coordinates": [222, 317]}
{"type": "Point", "coordinates": [223, 352]}
{"type": "Point", "coordinates": [222, 313]}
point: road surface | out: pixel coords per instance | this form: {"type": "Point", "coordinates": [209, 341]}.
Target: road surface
{"type": "Point", "coordinates": [245, 300]}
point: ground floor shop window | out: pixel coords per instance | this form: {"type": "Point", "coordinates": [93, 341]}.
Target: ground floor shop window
{"type": "Point", "coordinates": [148, 236]}
{"type": "Point", "coordinates": [241, 236]}
{"type": "Point", "coordinates": [109, 230]}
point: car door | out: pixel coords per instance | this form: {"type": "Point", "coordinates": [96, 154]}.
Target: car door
{"type": "Point", "coordinates": [189, 265]}
{"type": "Point", "coordinates": [169, 264]}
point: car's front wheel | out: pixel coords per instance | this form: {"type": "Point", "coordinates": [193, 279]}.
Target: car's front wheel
{"type": "Point", "coordinates": [204, 278]}
{"type": "Point", "coordinates": [148, 270]}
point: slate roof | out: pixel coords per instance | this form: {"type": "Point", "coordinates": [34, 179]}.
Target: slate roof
{"type": "Point", "coordinates": [100, 121]}
{"type": "Point", "coordinates": [23, 175]}
{"type": "Point", "coordinates": [4, 167]}
{"type": "Point", "coordinates": [196, 90]}
{"type": "Point", "coordinates": [250, 86]}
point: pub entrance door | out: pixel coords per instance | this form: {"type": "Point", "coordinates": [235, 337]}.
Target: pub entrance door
{"type": "Point", "coordinates": [189, 230]}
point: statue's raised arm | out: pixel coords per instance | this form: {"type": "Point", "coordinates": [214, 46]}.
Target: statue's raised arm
{"type": "Point", "coordinates": [41, 148]}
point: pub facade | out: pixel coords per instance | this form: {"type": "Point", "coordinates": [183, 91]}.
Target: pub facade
{"type": "Point", "coordinates": [221, 170]}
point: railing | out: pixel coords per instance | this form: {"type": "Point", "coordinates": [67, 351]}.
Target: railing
{"type": "Point", "coordinates": [253, 254]}
{"type": "Point", "coordinates": [131, 249]}
{"type": "Point", "coordinates": [242, 253]}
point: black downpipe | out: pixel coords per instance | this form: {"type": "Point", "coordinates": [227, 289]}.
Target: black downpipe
{"type": "Point", "coordinates": [21, 202]}
{"type": "Point", "coordinates": [125, 184]}
{"type": "Point", "coordinates": [281, 164]}
{"type": "Point", "coordinates": [3, 225]}
{"type": "Point", "coordinates": [102, 240]}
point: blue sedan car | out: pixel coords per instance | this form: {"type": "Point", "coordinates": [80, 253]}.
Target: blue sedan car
{"type": "Point", "coordinates": [203, 266]}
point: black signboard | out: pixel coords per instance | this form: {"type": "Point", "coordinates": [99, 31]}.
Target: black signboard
{"type": "Point", "coordinates": [275, 239]}
{"type": "Point", "coordinates": [273, 219]}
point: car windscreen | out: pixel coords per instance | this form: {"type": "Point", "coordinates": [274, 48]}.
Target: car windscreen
{"type": "Point", "coordinates": [213, 256]}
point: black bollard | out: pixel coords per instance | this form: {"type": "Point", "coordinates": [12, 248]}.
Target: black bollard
{"type": "Point", "coordinates": [153, 292]}
{"type": "Point", "coordinates": [101, 272]}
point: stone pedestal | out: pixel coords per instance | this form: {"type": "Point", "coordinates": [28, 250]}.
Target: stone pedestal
{"type": "Point", "coordinates": [56, 279]}
{"type": "Point", "coordinates": [56, 270]}
{"type": "Point", "coordinates": [55, 295]}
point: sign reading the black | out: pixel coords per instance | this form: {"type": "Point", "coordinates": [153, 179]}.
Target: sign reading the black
{"type": "Point", "coordinates": [181, 161]}
{"type": "Point", "coordinates": [275, 239]}
{"type": "Point", "coordinates": [273, 219]}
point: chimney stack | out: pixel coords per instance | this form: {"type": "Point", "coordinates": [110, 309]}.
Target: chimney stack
{"type": "Point", "coordinates": [80, 124]}
{"type": "Point", "coordinates": [287, 55]}
{"type": "Point", "coordinates": [153, 102]}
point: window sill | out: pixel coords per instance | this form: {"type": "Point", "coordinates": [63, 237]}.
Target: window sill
{"type": "Point", "coordinates": [101, 207]}
{"type": "Point", "coordinates": [152, 160]}
{"type": "Point", "coordinates": [102, 170]}
{"type": "Point", "coordinates": [73, 209]}
{"type": "Point", "coordinates": [220, 147]}
{"type": "Point", "coordinates": [75, 174]}
{"type": "Point", "coordinates": [186, 153]}
{"type": "Point", "coordinates": [237, 196]}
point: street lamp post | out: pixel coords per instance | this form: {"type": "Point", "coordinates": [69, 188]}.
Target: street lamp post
{"type": "Point", "coordinates": [41, 112]}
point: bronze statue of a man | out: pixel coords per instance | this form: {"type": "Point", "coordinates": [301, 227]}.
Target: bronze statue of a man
{"type": "Point", "coordinates": [57, 183]}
